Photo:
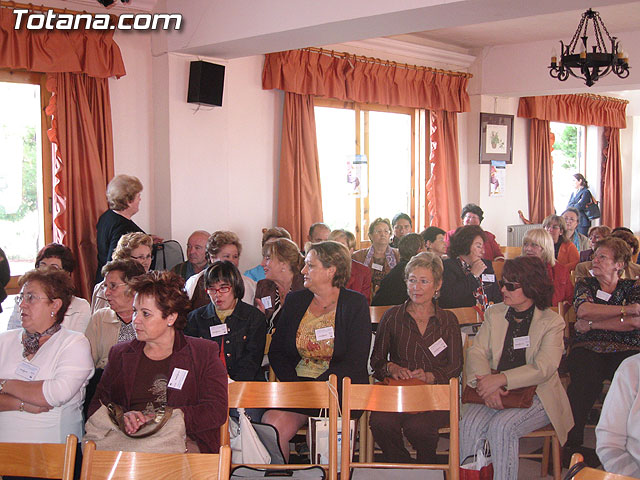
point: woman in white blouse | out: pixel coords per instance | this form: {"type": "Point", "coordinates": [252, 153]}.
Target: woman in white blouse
{"type": "Point", "coordinates": [60, 257]}
{"type": "Point", "coordinates": [43, 368]}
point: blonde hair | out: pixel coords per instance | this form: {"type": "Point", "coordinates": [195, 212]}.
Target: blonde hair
{"type": "Point", "coordinates": [346, 234]}
{"type": "Point", "coordinates": [428, 260]}
{"type": "Point", "coordinates": [286, 251]}
{"type": "Point", "coordinates": [122, 190]}
{"type": "Point", "coordinates": [543, 239]}
{"type": "Point", "coordinates": [129, 242]}
{"type": "Point", "coordinates": [219, 239]}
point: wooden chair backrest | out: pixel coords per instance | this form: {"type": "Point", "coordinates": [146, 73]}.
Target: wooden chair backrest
{"type": "Point", "coordinates": [289, 395]}
{"type": "Point", "coordinates": [414, 398]}
{"type": "Point", "coordinates": [377, 312]}
{"type": "Point", "coordinates": [101, 464]}
{"type": "Point", "coordinates": [498, 265]}
{"type": "Point", "coordinates": [588, 473]}
{"type": "Point", "coordinates": [466, 315]}
{"type": "Point", "coordinates": [512, 252]}
{"type": "Point", "coordinates": [44, 460]}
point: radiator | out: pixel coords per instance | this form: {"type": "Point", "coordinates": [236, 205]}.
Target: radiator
{"type": "Point", "coordinates": [515, 233]}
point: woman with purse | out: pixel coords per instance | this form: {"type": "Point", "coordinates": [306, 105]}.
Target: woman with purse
{"type": "Point", "coordinates": [163, 368]}
{"type": "Point", "coordinates": [416, 342]}
{"type": "Point", "coordinates": [44, 367]}
{"type": "Point", "coordinates": [580, 199]}
{"type": "Point", "coordinates": [519, 345]}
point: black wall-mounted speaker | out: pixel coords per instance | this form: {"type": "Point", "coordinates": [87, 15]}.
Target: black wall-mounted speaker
{"type": "Point", "coordinates": [206, 82]}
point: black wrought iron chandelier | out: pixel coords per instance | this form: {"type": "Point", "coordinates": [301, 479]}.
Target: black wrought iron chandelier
{"type": "Point", "coordinates": [590, 66]}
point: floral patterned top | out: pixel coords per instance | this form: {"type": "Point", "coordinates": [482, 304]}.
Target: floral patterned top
{"type": "Point", "coordinates": [607, 341]}
{"type": "Point", "coordinates": [316, 354]}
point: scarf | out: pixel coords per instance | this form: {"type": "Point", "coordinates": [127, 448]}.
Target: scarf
{"type": "Point", "coordinates": [388, 255]}
{"type": "Point", "coordinates": [31, 341]}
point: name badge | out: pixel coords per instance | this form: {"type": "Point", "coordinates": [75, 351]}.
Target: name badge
{"type": "Point", "coordinates": [27, 371]}
{"type": "Point", "coordinates": [521, 342]}
{"type": "Point", "coordinates": [437, 347]}
{"type": "Point", "coordinates": [591, 273]}
{"type": "Point", "coordinates": [602, 295]}
{"type": "Point", "coordinates": [217, 330]}
{"type": "Point", "coordinates": [377, 266]}
{"type": "Point", "coordinates": [325, 333]}
{"type": "Point", "coordinates": [177, 378]}
{"type": "Point", "coordinates": [266, 302]}
{"type": "Point", "coordinates": [488, 277]}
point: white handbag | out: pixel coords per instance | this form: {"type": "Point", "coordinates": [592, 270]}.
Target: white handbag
{"type": "Point", "coordinates": [246, 447]}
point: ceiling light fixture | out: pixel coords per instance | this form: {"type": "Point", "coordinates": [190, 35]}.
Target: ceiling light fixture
{"type": "Point", "coordinates": [589, 66]}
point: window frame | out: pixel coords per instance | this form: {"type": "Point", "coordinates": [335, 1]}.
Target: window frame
{"type": "Point", "coordinates": [419, 174]}
{"type": "Point", "coordinates": [36, 78]}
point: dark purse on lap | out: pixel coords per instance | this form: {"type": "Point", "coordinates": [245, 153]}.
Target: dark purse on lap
{"type": "Point", "coordinates": [516, 398]}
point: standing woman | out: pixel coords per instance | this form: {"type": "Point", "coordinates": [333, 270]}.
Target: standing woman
{"type": "Point", "coordinates": [580, 198]}
{"type": "Point", "coordinates": [380, 257]}
{"type": "Point", "coordinates": [324, 329]}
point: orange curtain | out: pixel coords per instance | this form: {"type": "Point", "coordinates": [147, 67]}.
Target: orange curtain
{"type": "Point", "coordinates": [577, 109]}
{"type": "Point", "coordinates": [611, 196]}
{"type": "Point", "coordinates": [540, 171]}
{"type": "Point", "coordinates": [299, 192]}
{"type": "Point", "coordinates": [77, 51]}
{"type": "Point", "coordinates": [312, 73]}
{"type": "Point", "coordinates": [83, 165]}
{"type": "Point", "coordinates": [443, 186]}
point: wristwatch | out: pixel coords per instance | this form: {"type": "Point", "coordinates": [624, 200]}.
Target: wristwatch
{"type": "Point", "coordinates": [2, 385]}
{"type": "Point", "coordinates": [21, 408]}
{"type": "Point", "coordinates": [590, 325]}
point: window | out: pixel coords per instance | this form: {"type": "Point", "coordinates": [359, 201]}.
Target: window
{"type": "Point", "coordinates": [25, 177]}
{"type": "Point", "coordinates": [369, 157]}
{"type": "Point", "coordinates": [568, 158]}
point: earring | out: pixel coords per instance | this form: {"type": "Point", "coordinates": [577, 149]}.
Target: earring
{"type": "Point", "coordinates": [169, 324]}
{"type": "Point", "coordinates": [52, 314]}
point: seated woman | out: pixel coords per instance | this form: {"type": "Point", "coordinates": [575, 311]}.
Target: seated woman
{"type": "Point", "coordinates": [522, 340]}
{"type": "Point", "coordinates": [138, 372]}
{"type": "Point", "coordinates": [59, 257]}
{"type": "Point", "coordinates": [608, 310]}
{"type": "Point", "coordinates": [268, 234]}
{"type": "Point", "coordinates": [222, 245]}
{"type": "Point", "coordinates": [43, 368]}
{"type": "Point", "coordinates": [132, 246]}
{"type": "Point", "coordinates": [298, 354]}
{"type": "Point", "coordinates": [282, 263]}
{"type": "Point", "coordinates": [631, 271]}
{"type": "Point", "coordinates": [380, 257]}
{"type": "Point", "coordinates": [434, 241]}
{"type": "Point", "coordinates": [360, 279]}
{"type": "Point", "coordinates": [472, 214]}
{"type": "Point", "coordinates": [393, 288]}
{"type": "Point", "coordinates": [416, 340]}
{"type": "Point", "coordinates": [595, 235]}
{"type": "Point", "coordinates": [565, 252]}
{"type": "Point", "coordinates": [617, 436]}
{"type": "Point", "coordinates": [468, 279]}
{"type": "Point", "coordinates": [571, 217]}
{"type": "Point", "coordinates": [239, 329]}
{"type": "Point", "coordinates": [537, 242]}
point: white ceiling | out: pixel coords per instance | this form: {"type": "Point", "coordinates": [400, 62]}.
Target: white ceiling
{"type": "Point", "coordinates": [560, 26]}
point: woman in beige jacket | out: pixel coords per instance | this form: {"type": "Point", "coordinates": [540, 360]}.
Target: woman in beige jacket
{"type": "Point", "coordinates": [519, 344]}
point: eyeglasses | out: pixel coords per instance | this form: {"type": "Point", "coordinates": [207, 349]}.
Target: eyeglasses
{"type": "Point", "coordinates": [140, 258]}
{"type": "Point", "coordinates": [222, 289]}
{"type": "Point", "coordinates": [382, 232]}
{"type": "Point", "coordinates": [113, 286]}
{"type": "Point", "coordinates": [510, 286]}
{"type": "Point", "coordinates": [414, 281]}
{"type": "Point", "coordinates": [28, 298]}
{"type": "Point", "coordinates": [552, 227]}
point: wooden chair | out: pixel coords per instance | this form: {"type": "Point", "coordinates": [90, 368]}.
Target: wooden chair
{"type": "Point", "coordinates": [466, 315]}
{"type": "Point", "coordinates": [102, 464]}
{"type": "Point", "coordinates": [44, 460]}
{"type": "Point", "coordinates": [386, 398]}
{"type": "Point", "coordinates": [589, 473]}
{"type": "Point", "coordinates": [512, 252]}
{"type": "Point", "coordinates": [551, 443]}
{"type": "Point", "coordinates": [498, 265]}
{"type": "Point", "coordinates": [377, 312]}
{"type": "Point", "coordinates": [289, 395]}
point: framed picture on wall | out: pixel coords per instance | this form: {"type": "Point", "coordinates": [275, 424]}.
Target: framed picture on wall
{"type": "Point", "coordinates": [496, 138]}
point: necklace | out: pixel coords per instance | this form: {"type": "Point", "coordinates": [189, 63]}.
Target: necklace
{"type": "Point", "coordinates": [324, 307]}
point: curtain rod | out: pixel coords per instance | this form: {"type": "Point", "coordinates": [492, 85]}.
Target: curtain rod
{"type": "Point", "coordinates": [603, 98]}
{"type": "Point", "coordinates": [390, 63]}
{"type": "Point", "coordinates": [43, 8]}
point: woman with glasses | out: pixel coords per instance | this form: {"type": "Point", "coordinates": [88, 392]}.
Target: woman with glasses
{"type": "Point", "coordinates": [132, 246]}
{"type": "Point", "coordinates": [595, 235]}
{"type": "Point", "coordinates": [380, 257]}
{"type": "Point", "coordinates": [59, 257]}
{"type": "Point", "coordinates": [519, 344]}
{"type": "Point", "coordinates": [565, 252]}
{"type": "Point", "coordinates": [415, 341]}
{"type": "Point", "coordinates": [43, 368]}
{"type": "Point", "coordinates": [571, 218]}
{"type": "Point", "coordinates": [238, 328]}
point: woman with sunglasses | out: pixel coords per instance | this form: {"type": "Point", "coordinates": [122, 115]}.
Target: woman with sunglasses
{"type": "Point", "coordinates": [519, 345]}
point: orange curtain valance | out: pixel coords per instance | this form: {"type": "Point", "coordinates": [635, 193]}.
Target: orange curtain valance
{"type": "Point", "coordinates": [92, 52]}
{"type": "Point", "coordinates": [576, 109]}
{"type": "Point", "coordinates": [311, 73]}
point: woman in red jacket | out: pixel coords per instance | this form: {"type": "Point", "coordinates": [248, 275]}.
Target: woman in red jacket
{"type": "Point", "coordinates": [565, 252]}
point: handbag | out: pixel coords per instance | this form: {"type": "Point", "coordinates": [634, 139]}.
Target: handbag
{"type": "Point", "coordinates": [480, 467]}
{"type": "Point", "coordinates": [246, 445]}
{"type": "Point", "coordinates": [318, 439]}
{"type": "Point", "coordinates": [573, 471]}
{"type": "Point", "coordinates": [516, 398]}
{"type": "Point", "coordinates": [592, 211]}
{"type": "Point", "coordinates": [167, 433]}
